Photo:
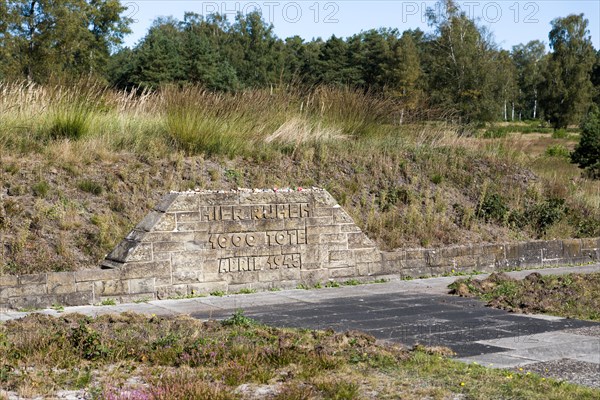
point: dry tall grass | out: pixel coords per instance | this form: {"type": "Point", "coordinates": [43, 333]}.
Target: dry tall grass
{"type": "Point", "coordinates": [409, 185]}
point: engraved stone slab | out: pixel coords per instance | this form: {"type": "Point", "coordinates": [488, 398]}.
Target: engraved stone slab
{"type": "Point", "coordinates": [246, 237]}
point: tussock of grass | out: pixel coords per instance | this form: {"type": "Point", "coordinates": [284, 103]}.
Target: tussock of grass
{"type": "Point", "coordinates": [138, 357]}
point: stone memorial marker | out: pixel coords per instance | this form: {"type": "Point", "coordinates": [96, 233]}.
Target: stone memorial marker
{"type": "Point", "coordinates": [205, 241]}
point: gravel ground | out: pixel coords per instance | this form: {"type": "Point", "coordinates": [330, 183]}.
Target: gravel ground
{"type": "Point", "coordinates": [593, 331]}
{"type": "Point", "coordinates": [579, 372]}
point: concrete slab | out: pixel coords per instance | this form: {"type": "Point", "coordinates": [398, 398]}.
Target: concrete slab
{"type": "Point", "coordinates": [498, 360]}
{"type": "Point", "coordinates": [554, 338]}
{"type": "Point", "coordinates": [588, 350]}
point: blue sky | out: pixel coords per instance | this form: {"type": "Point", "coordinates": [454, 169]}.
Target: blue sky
{"type": "Point", "coordinates": [512, 22]}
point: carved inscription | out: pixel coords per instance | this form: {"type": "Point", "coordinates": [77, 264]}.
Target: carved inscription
{"type": "Point", "coordinates": [257, 259]}
{"type": "Point", "coordinates": [256, 212]}
{"type": "Point", "coordinates": [252, 239]}
{"type": "Point", "coordinates": [238, 264]}
{"type": "Point", "coordinates": [260, 263]}
{"type": "Point", "coordinates": [284, 261]}
{"type": "Point", "coordinates": [232, 240]}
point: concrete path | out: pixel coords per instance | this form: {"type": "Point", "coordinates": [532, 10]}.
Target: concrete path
{"type": "Point", "coordinates": [410, 312]}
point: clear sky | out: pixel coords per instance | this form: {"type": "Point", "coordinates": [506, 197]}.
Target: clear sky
{"type": "Point", "coordinates": [512, 22]}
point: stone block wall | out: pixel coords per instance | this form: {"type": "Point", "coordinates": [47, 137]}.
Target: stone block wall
{"type": "Point", "coordinates": [489, 257]}
{"type": "Point", "coordinates": [202, 242]}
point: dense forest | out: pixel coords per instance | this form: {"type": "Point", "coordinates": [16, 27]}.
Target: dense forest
{"type": "Point", "coordinates": [457, 69]}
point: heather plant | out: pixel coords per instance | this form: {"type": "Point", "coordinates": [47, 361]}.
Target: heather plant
{"type": "Point", "coordinates": [136, 357]}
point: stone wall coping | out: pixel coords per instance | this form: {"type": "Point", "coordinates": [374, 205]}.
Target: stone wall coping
{"type": "Point", "coordinates": [247, 190]}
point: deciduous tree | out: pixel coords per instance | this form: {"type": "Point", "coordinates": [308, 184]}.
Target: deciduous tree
{"type": "Point", "coordinates": [567, 86]}
{"type": "Point", "coordinates": [462, 75]}
{"type": "Point", "coordinates": [67, 38]}
{"type": "Point", "coordinates": [529, 61]}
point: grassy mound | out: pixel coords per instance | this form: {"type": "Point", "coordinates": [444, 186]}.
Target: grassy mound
{"type": "Point", "coordinates": [76, 175]}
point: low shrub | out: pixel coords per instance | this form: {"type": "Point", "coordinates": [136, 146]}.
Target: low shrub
{"type": "Point", "coordinates": [558, 150]}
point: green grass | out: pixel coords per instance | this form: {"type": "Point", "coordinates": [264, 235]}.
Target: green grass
{"type": "Point", "coordinates": [139, 357]}
{"type": "Point", "coordinates": [41, 189]}
{"type": "Point", "coordinates": [569, 296]}
{"type": "Point", "coordinates": [69, 121]}
{"type": "Point", "coordinates": [90, 186]}
{"type": "Point", "coordinates": [558, 150]}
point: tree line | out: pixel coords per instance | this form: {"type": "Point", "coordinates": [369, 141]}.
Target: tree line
{"type": "Point", "coordinates": [457, 67]}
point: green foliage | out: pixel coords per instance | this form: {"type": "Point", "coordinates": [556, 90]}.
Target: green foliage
{"type": "Point", "coordinates": [567, 89]}
{"type": "Point", "coordinates": [70, 121]}
{"type": "Point", "coordinates": [569, 296]}
{"type": "Point", "coordinates": [463, 71]}
{"type": "Point", "coordinates": [407, 79]}
{"type": "Point", "coordinates": [588, 226]}
{"type": "Point", "coordinates": [394, 195]}
{"type": "Point", "coordinates": [179, 358]}
{"type": "Point", "coordinates": [558, 150]}
{"type": "Point", "coordinates": [458, 71]}
{"type": "Point", "coordinates": [158, 57]}
{"type": "Point", "coordinates": [560, 134]}
{"type": "Point", "coordinates": [492, 207]}
{"type": "Point", "coordinates": [41, 189]}
{"type": "Point", "coordinates": [196, 130]}
{"type": "Point", "coordinates": [108, 302]}
{"type": "Point", "coordinates": [494, 133]}
{"type": "Point", "coordinates": [541, 216]}
{"type": "Point", "coordinates": [90, 186]}
{"type": "Point", "coordinates": [340, 390]}
{"type": "Point", "coordinates": [88, 341]}
{"type": "Point", "coordinates": [247, 291]}
{"type": "Point", "coordinates": [233, 176]}
{"type": "Point", "coordinates": [529, 62]}
{"type": "Point", "coordinates": [587, 151]}
{"type": "Point", "coordinates": [238, 319]}
{"type": "Point", "coordinates": [437, 179]}
{"type": "Point", "coordinates": [59, 39]}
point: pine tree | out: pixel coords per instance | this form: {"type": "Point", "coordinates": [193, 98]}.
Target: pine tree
{"type": "Point", "coordinates": [587, 152]}
{"type": "Point", "coordinates": [596, 79]}
{"type": "Point", "coordinates": [254, 51]}
{"type": "Point", "coordinates": [335, 65]}
{"type": "Point", "coordinates": [159, 56]}
{"type": "Point", "coordinates": [203, 62]}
